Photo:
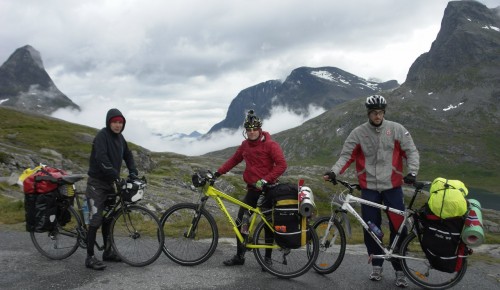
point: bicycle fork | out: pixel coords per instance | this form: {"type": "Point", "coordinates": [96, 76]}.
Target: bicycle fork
{"type": "Point", "coordinates": [325, 242]}
{"type": "Point", "coordinates": [191, 231]}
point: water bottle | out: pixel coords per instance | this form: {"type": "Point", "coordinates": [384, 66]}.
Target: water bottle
{"type": "Point", "coordinates": [85, 210]}
{"type": "Point", "coordinates": [244, 224]}
{"type": "Point", "coordinates": [375, 230]}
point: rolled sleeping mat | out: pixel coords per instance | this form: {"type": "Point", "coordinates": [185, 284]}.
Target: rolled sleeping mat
{"type": "Point", "coordinates": [473, 233]}
{"type": "Point", "coordinates": [306, 201]}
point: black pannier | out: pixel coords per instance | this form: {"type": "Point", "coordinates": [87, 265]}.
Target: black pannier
{"type": "Point", "coordinates": [40, 211]}
{"type": "Point", "coordinates": [441, 242]}
{"type": "Point", "coordinates": [63, 214]}
{"type": "Point", "coordinates": [289, 225]}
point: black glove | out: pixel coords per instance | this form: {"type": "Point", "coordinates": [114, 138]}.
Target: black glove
{"type": "Point", "coordinates": [217, 174]}
{"type": "Point", "coordinates": [411, 178]}
{"type": "Point", "coordinates": [331, 176]}
{"type": "Point", "coordinates": [132, 176]}
{"type": "Point", "coordinates": [118, 184]}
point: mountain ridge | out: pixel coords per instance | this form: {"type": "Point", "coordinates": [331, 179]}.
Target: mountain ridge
{"type": "Point", "coordinates": [322, 87]}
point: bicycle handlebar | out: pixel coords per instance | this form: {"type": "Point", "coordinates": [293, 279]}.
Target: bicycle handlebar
{"type": "Point", "coordinates": [418, 185]}
{"type": "Point", "coordinates": [350, 186]}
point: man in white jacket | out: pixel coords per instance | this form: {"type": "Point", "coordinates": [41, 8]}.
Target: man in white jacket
{"type": "Point", "coordinates": [379, 147]}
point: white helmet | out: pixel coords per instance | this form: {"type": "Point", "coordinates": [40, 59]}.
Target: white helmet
{"type": "Point", "coordinates": [375, 102]}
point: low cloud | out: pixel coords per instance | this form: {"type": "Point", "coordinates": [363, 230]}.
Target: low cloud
{"type": "Point", "coordinates": [139, 131]}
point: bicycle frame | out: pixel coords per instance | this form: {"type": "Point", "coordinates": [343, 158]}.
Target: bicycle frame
{"type": "Point", "coordinates": [210, 191]}
{"type": "Point", "coordinates": [388, 252]}
{"type": "Point", "coordinates": [107, 215]}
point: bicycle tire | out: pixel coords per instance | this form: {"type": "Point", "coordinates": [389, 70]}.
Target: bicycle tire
{"type": "Point", "coordinates": [332, 245]}
{"type": "Point", "coordinates": [286, 263]}
{"type": "Point", "coordinates": [200, 246]}
{"type": "Point", "coordinates": [62, 241]}
{"type": "Point", "coordinates": [420, 272]}
{"type": "Point", "coordinates": [136, 235]}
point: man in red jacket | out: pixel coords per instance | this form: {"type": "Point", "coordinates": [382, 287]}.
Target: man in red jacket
{"type": "Point", "coordinates": [265, 163]}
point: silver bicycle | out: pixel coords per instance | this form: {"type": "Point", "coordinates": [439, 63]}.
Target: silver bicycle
{"type": "Point", "coordinates": [410, 254]}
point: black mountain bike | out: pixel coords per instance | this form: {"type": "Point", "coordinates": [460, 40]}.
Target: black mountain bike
{"type": "Point", "coordinates": [135, 232]}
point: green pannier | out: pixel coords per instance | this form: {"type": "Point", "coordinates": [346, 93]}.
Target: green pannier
{"type": "Point", "coordinates": [447, 198]}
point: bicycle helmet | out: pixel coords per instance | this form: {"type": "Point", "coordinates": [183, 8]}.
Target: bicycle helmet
{"type": "Point", "coordinates": [252, 121]}
{"type": "Point", "coordinates": [375, 102]}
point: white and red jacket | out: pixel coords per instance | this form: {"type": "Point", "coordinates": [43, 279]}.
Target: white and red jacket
{"type": "Point", "coordinates": [379, 153]}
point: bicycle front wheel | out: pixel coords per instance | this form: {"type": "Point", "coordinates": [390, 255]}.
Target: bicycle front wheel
{"type": "Point", "coordinates": [62, 241]}
{"type": "Point", "coordinates": [417, 268]}
{"type": "Point", "coordinates": [136, 235]}
{"type": "Point", "coordinates": [191, 235]}
{"type": "Point", "coordinates": [283, 262]}
{"type": "Point", "coordinates": [332, 245]}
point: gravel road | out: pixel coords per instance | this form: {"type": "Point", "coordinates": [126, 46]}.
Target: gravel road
{"type": "Point", "coordinates": [22, 267]}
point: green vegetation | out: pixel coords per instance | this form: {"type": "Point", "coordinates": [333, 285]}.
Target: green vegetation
{"type": "Point", "coordinates": [34, 132]}
{"type": "Point", "coordinates": [11, 210]}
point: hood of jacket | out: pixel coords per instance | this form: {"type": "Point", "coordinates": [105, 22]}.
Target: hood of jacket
{"type": "Point", "coordinates": [114, 113]}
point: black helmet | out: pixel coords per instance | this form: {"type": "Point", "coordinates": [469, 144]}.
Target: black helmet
{"type": "Point", "coordinates": [252, 121]}
{"type": "Point", "coordinates": [375, 102]}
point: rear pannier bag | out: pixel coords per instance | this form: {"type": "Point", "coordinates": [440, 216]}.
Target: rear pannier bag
{"type": "Point", "coordinates": [441, 242]}
{"type": "Point", "coordinates": [289, 225]}
{"type": "Point", "coordinates": [41, 212]}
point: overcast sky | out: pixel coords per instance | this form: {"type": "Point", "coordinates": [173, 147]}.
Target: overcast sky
{"type": "Point", "coordinates": [174, 66]}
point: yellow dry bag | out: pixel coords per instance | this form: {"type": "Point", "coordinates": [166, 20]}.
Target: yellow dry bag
{"type": "Point", "coordinates": [447, 198]}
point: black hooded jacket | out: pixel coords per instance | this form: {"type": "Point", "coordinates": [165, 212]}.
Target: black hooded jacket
{"type": "Point", "coordinates": [108, 151]}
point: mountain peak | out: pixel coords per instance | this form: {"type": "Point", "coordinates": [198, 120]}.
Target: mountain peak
{"type": "Point", "coordinates": [35, 55]}
{"type": "Point", "coordinates": [469, 37]}
{"type": "Point", "coordinates": [24, 84]}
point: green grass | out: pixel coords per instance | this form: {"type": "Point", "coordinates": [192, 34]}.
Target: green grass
{"type": "Point", "coordinates": [36, 132]}
{"type": "Point", "coordinates": [11, 211]}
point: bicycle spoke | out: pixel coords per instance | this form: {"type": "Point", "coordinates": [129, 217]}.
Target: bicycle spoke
{"type": "Point", "coordinates": [61, 242]}
{"type": "Point", "coordinates": [332, 243]}
{"type": "Point", "coordinates": [185, 244]}
{"type": "Point", "coordinates": [137, 236]}
{"type": "Point", "coordinates": [281, 262]}
{"type": "Point", "coordinates": [417, 268]}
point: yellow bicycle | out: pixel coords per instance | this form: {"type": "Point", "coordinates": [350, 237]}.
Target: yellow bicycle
{"type": "Point", "coordinates": [191, 234]}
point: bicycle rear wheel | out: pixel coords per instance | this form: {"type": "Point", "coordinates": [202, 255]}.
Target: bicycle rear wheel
{"type": "Point", "coordinates": [136, 235]}
{"type": "Point", "coordinates": [191, 236]}
{"type": "Point", "coordinates": [332, 245]}
{"type": "Point", "coordinates": [282, 262]}
{"type": "Point", "coordinates": [418, 270]}
{"type": "Point", "coordinates": [62, 241]}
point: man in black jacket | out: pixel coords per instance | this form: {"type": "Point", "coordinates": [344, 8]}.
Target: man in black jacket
{"type": "Point", "coordinates": [109, 150]}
